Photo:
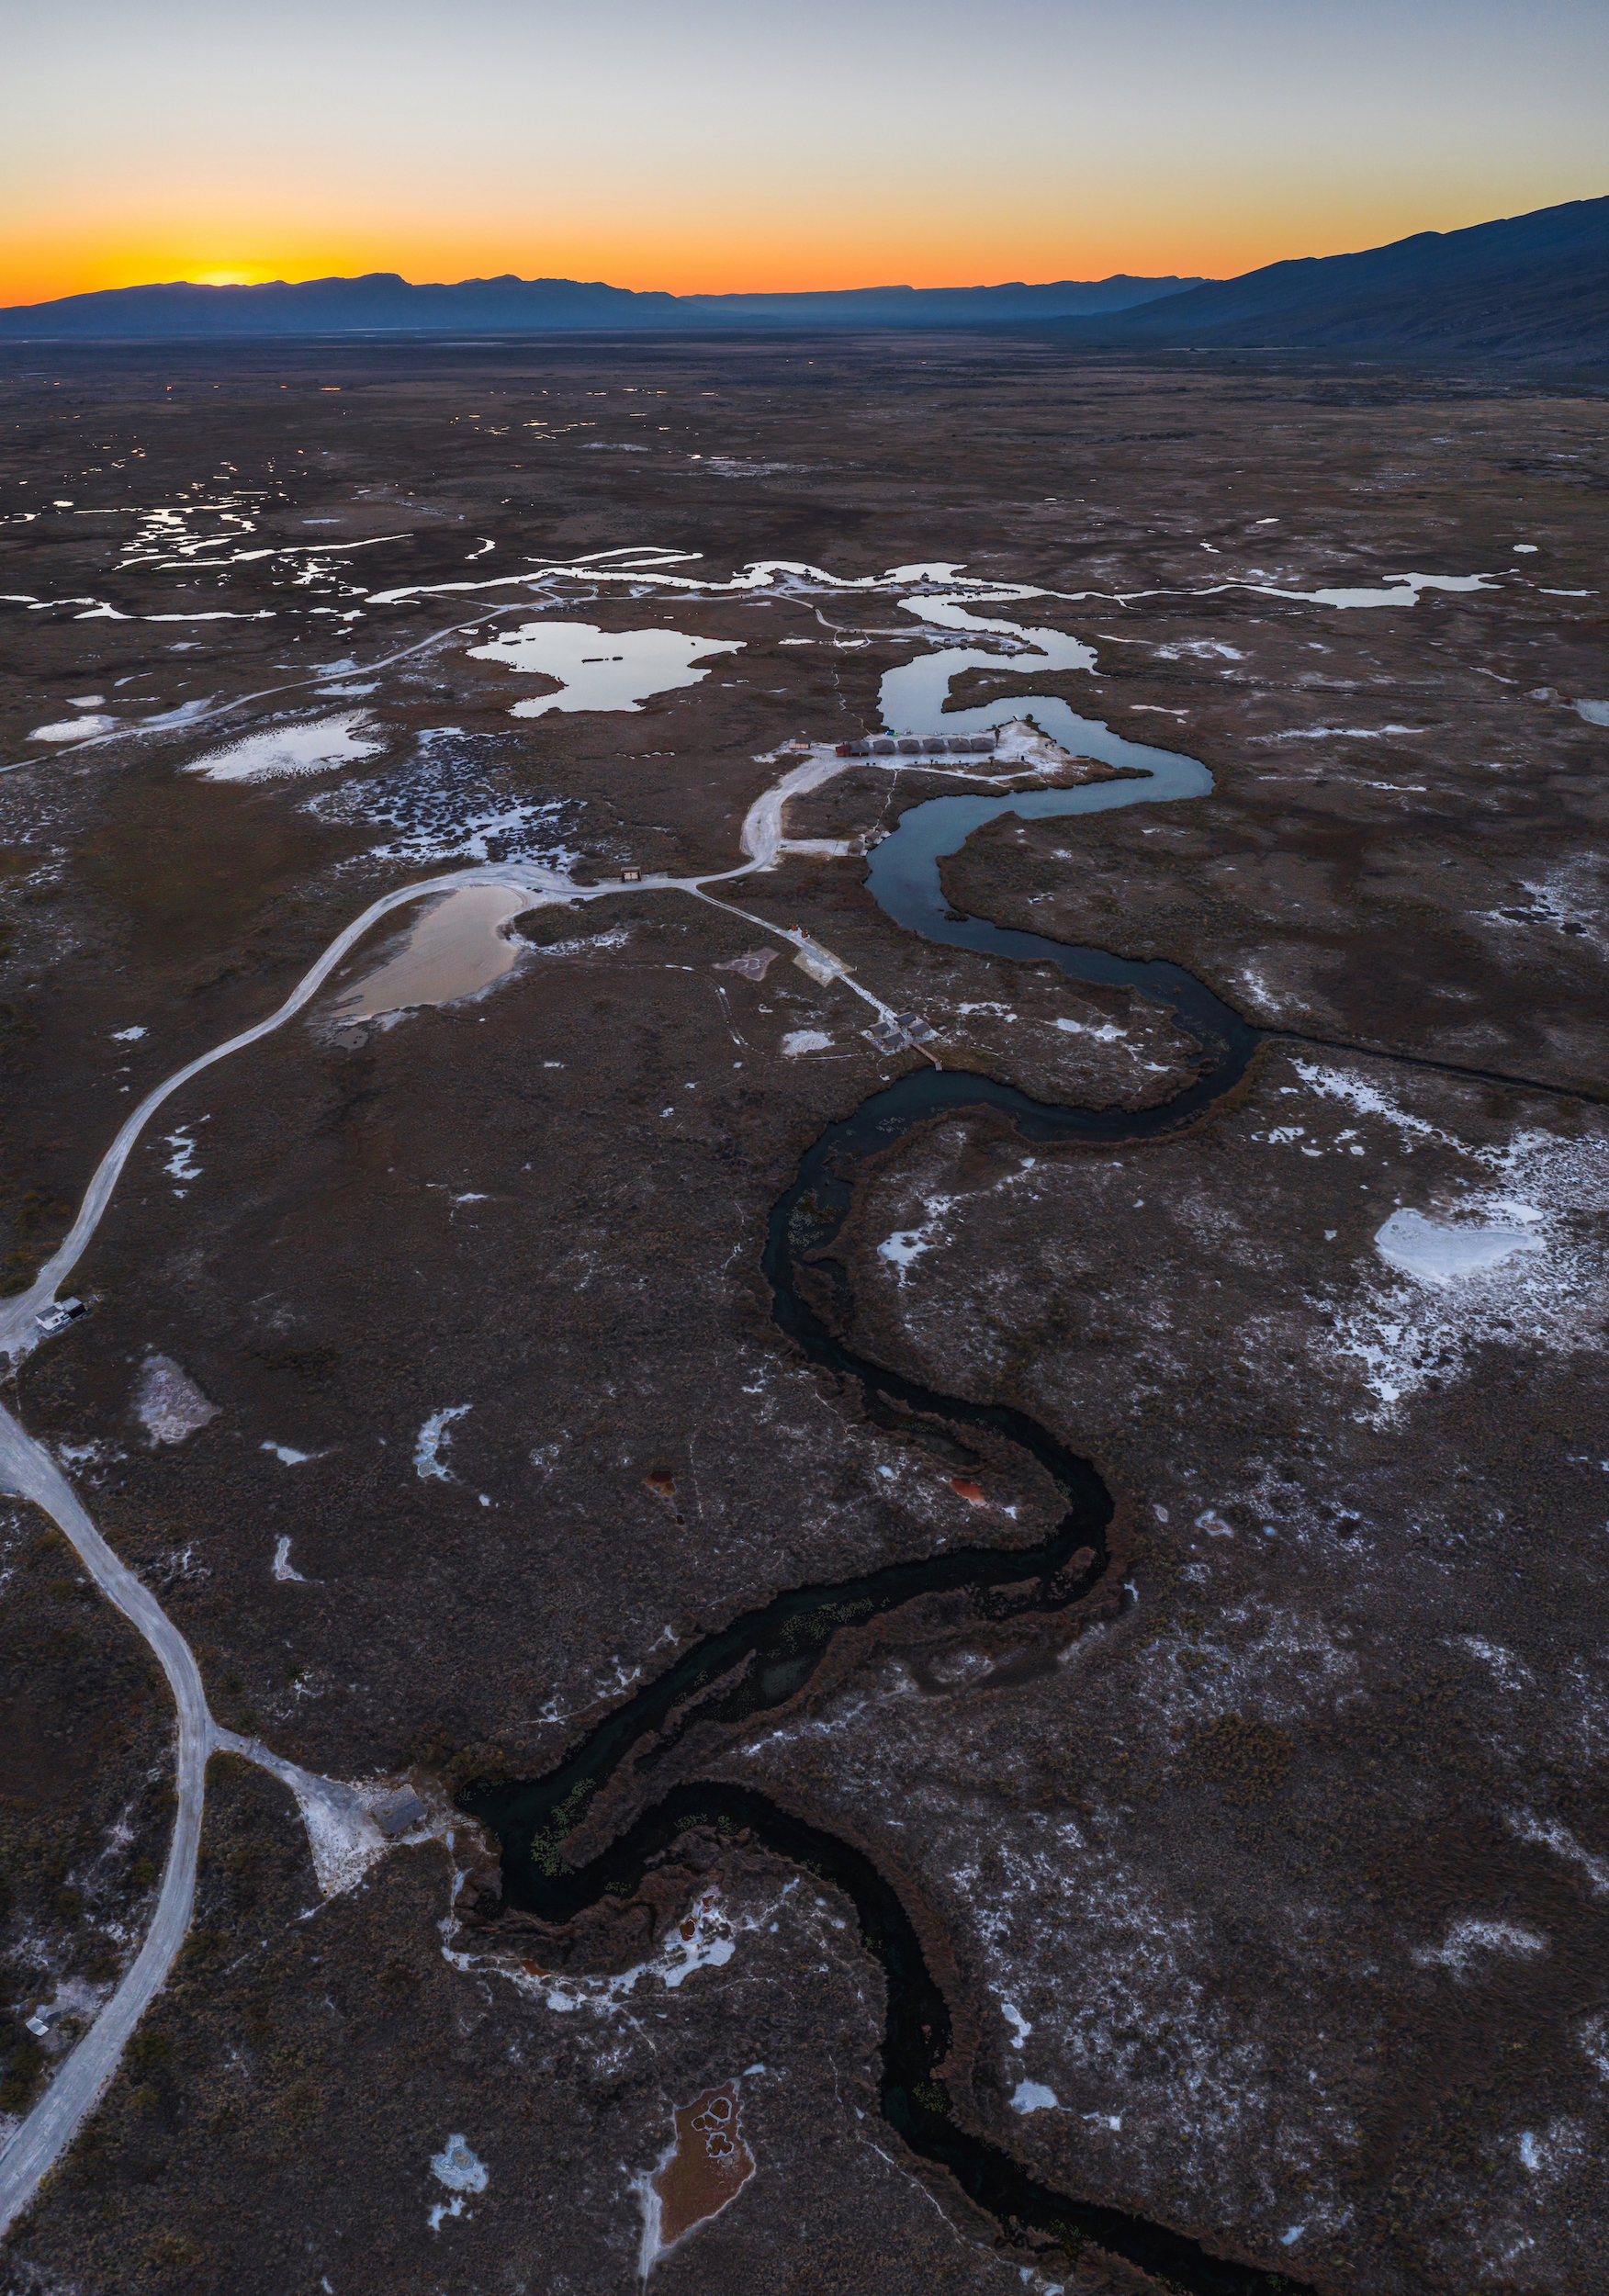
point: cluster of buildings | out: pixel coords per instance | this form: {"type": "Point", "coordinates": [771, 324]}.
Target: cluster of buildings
{"type": "Point", "coordinates": [920, 746]}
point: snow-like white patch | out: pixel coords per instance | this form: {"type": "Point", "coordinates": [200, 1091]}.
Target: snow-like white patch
{"type": "Point", "coordinates": [127, 1036]}
{"type": "Point", "coordinates": [800, 1040]}
{"type": "Point", "coordinates": [285, 750]}
{"type": "Point", "coordinates": [1595, 713]}
{"type": "Point", "coordinates": [73, 1456]}
{"type": "Point", "coordinates": [908, 1243]}
{"type": "Point", "coordinates": [74, 729]}
{"type": "Point", "coordinates": [1570, 897]}
{"type": "Point", "coordinates": [1551, 1835]}
{"type": "Point", "coordinates": [183, 1164]}
{"type": "Point", "coordinates": [1545, 1289]}
{"type": "Point", "coordinates": [1343, 733]}
{"type": "Point", "coordinates": [432, 1436]}
{"type": "Point", "coordinates": [1437, 1253]}
{"type": "Point", "coordinates": [1553, 2152]}
{"type": "Point", "coordinates": [1033, 2096]}
{"type": "Point", "coordinates": [706, 1939]}
{"type": "Point", "coordinates": [286, 1456]}
{"type": "Point", "coordinates": [1142, 1970]}
{"type": "Point", "coordinates": [616, 937]}
{"type": "Point", "coordinates": [442, 805]}
{"type": "Point", "coordinates": [1107, 1033]}
{"type": "Point", "coordinates": [457, 2169]}
{"type": "Point", "coordinates": [1467, 1938]}
{"type": "Point", "coordinates": [1593, 2037]}
{"type": "Point", "coordinates": [1511, 1674]}
{"type": "Point", "coordinates": [169, 1405]}
{"type": "Point", "coordinates": [282, 1566]}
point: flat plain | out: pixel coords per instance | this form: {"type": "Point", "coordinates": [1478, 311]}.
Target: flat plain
{"type": "Point", "coordinates": [430, 1378]}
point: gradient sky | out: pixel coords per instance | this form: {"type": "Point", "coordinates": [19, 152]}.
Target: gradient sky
{"type": "Point", "coordinates": [728, 145]}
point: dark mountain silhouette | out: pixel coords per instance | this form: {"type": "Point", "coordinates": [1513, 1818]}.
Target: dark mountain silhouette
{"type": "Point", "coordinates": [381, 301]}
{"type": "Point", "coordinates": [1533, 285]}
{"type": "Point", "coordinates": [1530, 286]}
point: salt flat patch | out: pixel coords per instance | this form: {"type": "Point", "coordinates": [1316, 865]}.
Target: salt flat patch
{"type": "Point", "coordinates": [73, 728]}
{"type": "Point", "coordinates": [432, 1436]}
{"type": "Point", "coordinates": [907, 1244]}
{"type": "Point", "coordinates": [615, 937]}
{"type": "Point", "coordinates": [284, 1572]}
{"type": "Point", "coordinates": [706, 1939]}
{"type": "Point", "coordinates": [456, 2168]}
{"type": "Point", "coordinates": [168, 1403]}
{"type": "Point", "coordinates": [283, 751]}
{"type": "Point", "coordinates": [1438, 1252]}
{"type": "Point", "coordinates": [1542, 1285]}
{"type": "Point", "coordinates": [456, 948]}
{"type": "Point", "coordinates": [1465, 1939]}
{"type": "Point", "coordinates": [600, 669]}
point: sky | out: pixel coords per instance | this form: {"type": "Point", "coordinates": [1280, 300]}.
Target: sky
{"type": "Point", "coordinates": [718, 145]}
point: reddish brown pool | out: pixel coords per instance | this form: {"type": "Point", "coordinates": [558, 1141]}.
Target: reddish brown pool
{"type": "Point", "coordinates": [708, 2166]}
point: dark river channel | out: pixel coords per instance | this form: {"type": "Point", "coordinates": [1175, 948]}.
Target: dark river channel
{"type": "Point", "coordinates": [763, 1659]}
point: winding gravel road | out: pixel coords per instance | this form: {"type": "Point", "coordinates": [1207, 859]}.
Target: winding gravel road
{"type": "Point", "coordinates": [28, 1469]}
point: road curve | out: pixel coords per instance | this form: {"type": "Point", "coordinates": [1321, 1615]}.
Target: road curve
{"type": "Point", "coordinates": [27, 1467]}
{"type": "Point", "coordinates": [18, 1330]}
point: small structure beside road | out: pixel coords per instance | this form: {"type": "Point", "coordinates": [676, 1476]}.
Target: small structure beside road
{"type": "Point", "coordinates": [900, 1031]}
{"type": "Point", "coordinates": [398, 1812]}
{"type": "Point", "coordinates": [59, 1314]}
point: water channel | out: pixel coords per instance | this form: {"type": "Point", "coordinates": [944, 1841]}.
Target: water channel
{"type": "Point", "coordinates": [766, 1657]}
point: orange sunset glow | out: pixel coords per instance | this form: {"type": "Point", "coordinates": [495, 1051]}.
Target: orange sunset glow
{"type": "Point", "coordinates": [1058, 146]}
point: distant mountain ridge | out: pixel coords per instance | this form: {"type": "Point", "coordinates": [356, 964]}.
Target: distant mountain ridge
{"type": "Point", "coordinates": [1525, 286]}
{"type": "Point", "coordinates": [1530, 286]}
{"type": "Point", "coordinates": [382, 301]}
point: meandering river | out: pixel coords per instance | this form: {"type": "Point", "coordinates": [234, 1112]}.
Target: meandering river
{"type": "Point", "coordinates": [766, 1657]}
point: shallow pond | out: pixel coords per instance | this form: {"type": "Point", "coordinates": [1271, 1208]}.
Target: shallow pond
{"type": "Point", "coordinates": [455, 948]}
{"type": "Point", "coordinates": [600, 669]}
